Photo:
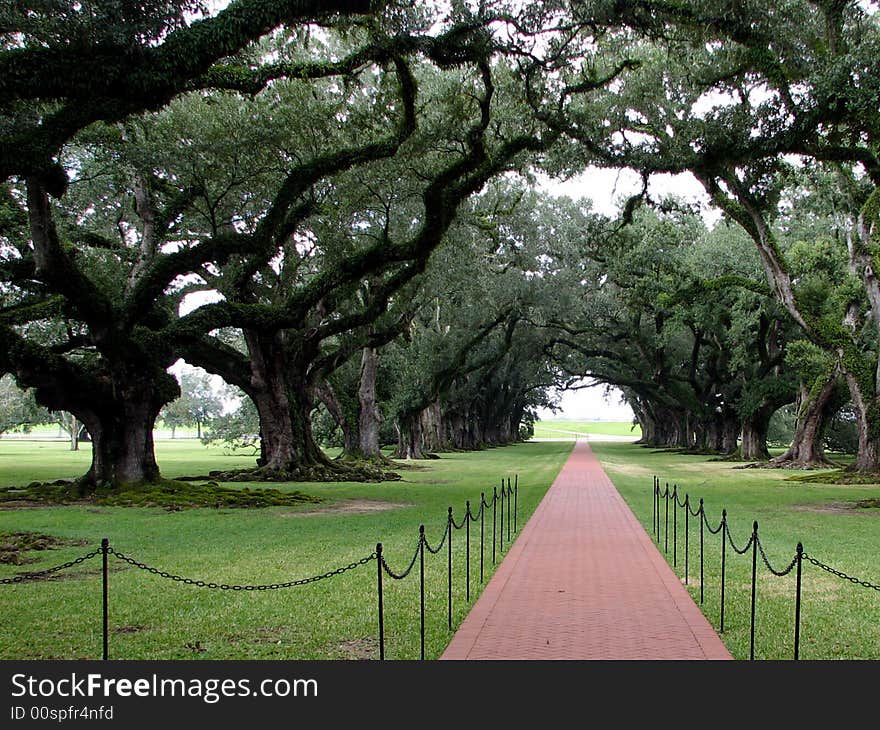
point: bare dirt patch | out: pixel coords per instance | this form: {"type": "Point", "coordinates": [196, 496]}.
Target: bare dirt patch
{"type": "Point", "coordinates": [14, 504]}
{"type": "Point", "coordinates": [129, 629]}
{"type": "Point", "coordinates": [365, 648]}
{"type": "Point", "coordinates": [836, 508]}
{"type": "Point", "coordinates": [14, 545]}
{"type": "Point", "coordinates": [628, 469]}
{"type": "Point", "coordinates": [349, 507]}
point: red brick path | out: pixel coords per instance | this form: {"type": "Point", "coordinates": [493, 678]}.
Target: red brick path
{"type": "Point", "coordinates": [584, 581]}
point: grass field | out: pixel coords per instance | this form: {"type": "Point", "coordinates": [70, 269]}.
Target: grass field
{"type": "Point", "coordinates": [839, 620]}
{"type": "Point", "coordinates": [159, 619]}
{"type": "Point", "coordinates": [155, 618]}
{"type": "Point", "coordinates": [573, 429]}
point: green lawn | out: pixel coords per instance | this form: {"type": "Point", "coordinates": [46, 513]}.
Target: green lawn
{"type": "Point", "coordinates": [839, 620]}
{"type": "Point", "coordinates": [154, 618]}
{"type": "Point", "coordinates": [573, 429]}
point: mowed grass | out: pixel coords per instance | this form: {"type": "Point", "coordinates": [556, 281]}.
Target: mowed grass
{"type": "Point", "coordinates": [156, 618]}
{"type": "Point", "coordinates": [573, 429]}
{"type": "Point", "coordinates": [839, 620]}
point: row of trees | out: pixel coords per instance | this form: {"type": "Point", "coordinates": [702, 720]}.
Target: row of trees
{"type": "Point", "coordinates": [319, 202]}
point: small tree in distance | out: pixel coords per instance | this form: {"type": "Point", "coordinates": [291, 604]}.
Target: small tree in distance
{"type": "Point", "coordinates": [199, 403]}
{"type": "Point", "coordinates": [18, 408]}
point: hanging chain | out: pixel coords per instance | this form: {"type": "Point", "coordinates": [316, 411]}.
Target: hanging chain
{"type": "Point", "coordinates": [401, 576]}
{"type": "Point", "coordinates": [709, 527]}
{"type": "Point", "coordinates": [436, 550]}
{"type": "Point", "coordinates": [228, 587]}
{"type": "Point", "coordinates": [37, 574]}
{"type": "Point", "coordinates": [773, 570]}
{"type": "Point", "coordinates": [737, 550]}
{"type": "Point", "coordinates": [840, 574]}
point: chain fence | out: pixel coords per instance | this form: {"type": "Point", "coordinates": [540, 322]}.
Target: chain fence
{"type": "Point", "coordinates": [754, 542]}
{"type": "Point", "coordinates": [508, 492]}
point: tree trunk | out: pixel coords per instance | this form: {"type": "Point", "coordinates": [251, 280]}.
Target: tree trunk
{"type": "Point", "coordinates": [806, 450]}
{"type": "Point", "coordinates": [74, 433]}
{"type": "Point", "coordinates": [868, 457]}
{"type": "Point", "coordinates": [173, 431]}
{"type": "Point", "coordinates": [369, 415]}
{"type": "Point", "coordinates": [409, 437]}
{"type": "Point", "coordinates": [283, 401]}
{"type": "Point", "coordinates": [349, 426]}
{"type": "Point", "coordinates": [648, 427]}
{"type": "Point", "coordinates": [433, 437]}
{"type": "Point", "coordinates": [122, 435]}
{"type": "Point", "coordinates": [754, 438]}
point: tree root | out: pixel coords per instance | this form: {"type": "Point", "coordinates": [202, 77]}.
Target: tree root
{"type": "Point", "coordinates": [168, 493]}
{"type": "Point", "coordinates": [839, 476]}
{"type": "Point", "coordinates": [791, 464]}
{"type": "Point", "coordinates": [335, 471]}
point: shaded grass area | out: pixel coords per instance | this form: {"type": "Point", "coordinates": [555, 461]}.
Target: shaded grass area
{"type": "Point", "coordinates": [573, 429]}
{"type": "Point", "coordinates": [155, 618]}
{"type": "Point", "coordinates": [839, 620]}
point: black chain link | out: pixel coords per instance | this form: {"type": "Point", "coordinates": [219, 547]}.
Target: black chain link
{"type": "Point", "coordinates": [694, 512]}
{"type": "Point", "coordinates": [737, 550]}
{"type": "Point", "coordinates": [773, 570]}
{"type": "Point", "coordinates": [475, 516]}
{"type": "Point", "coordinates": [459, 526]}
{"type": "Point", "coordinates": [436, 550]}
{"type": "Point", "coordinates": [401, 576]}
{"type": "Point", "coordinates": [37, 574]}
{"type": "Point", "coordinates": [228, 587]}
{"type": "Point", "coordinates": [840, 574]}
{"type": "Point", "coordinates": [709, 527]}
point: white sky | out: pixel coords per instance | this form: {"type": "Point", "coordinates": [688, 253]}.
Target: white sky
{"type": "Point", "coordinates": [589, 404]}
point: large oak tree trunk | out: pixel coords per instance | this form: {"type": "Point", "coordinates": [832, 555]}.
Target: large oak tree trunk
{"type": "Point", "coordinates": [868, 410]}
{"type": "Point", "coordinates": [409, 437]}
{"type": "Point", "coordinates": [283, 401]}
{"type": "Point", "coordinates": [369, 415]}
{"type": "Point", "coordinates": [806, 450]}
{"type": "Point", "coordinates": [121, 430]}
{"type": "Point", "coordinates": [432, 428]}
{"type": "Point", "coordinates": [754, 435]}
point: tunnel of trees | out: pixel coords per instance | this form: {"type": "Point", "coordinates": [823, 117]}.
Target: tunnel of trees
{"type": "Point", "coordinates": [337, 208]}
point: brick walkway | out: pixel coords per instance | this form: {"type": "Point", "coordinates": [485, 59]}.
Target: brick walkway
{"type": "Point", "coordinates": [584, 581]}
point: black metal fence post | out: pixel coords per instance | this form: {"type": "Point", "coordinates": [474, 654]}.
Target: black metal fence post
{"type": "Point", "coordinates": [674, 525]}
{"type": "Point", "coordinates": [702, 527]}
{"type": "Point", "coordinates": [494, 515]}
{"type": "Point", "coordinates": [467, 552]}
{"type": "Point", "coordinates": [449, 566]}
{"type": "Point", "coordinates": [687, 525]}
{"type": "Point", "coordinates": [422, 587]}
{"type": "Point", "coordinates": [105, 548]}
{"type": "Point", "coordinates": [754, 588]}
{"type": "Point", "coordinates": [381, 605]}
{"type": "Point", "coordinates": [797, 603]}
{"type": "Point", "coordinates": [501, 526]}
{"type": "Point", "coordinates": [723, 562]}
{"type": "Point", "coordinates": [666, 521]}
{"type": "Point", "coordinates": [515, 501]}
{"type": "Point", "coordinates": [482, 530]}
{"type": "Point", "coordinates": [509, 495]}
{"type": "Point", "coordinates": [655, 517]}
